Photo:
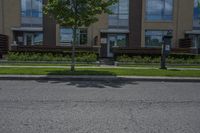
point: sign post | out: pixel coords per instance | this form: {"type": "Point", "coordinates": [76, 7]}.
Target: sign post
{"type": "Point", "coordinates": [166, 47]}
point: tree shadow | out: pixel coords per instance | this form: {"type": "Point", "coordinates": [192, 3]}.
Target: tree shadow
{"type": "Point", "coordinates": [103, 81]}
{"type": "Point", "coordinates": [82, 73]}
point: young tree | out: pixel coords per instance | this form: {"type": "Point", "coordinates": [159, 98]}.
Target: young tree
{"type": "Point", "coordinates": [198, 3]}
{"type": "Point", "coordinates": [77, 13]}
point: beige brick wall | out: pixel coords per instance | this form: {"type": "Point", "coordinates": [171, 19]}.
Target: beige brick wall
{"type": "Point", "coordinates": [94, 29]}
{"type": "Point", "coordinates": [184, 17]}
{"type": "Point", "coordinates": [1, 16]}
{"type": "Point", "coordinates": [11, 17]}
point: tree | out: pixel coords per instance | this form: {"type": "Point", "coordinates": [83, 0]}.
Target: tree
{"type": "Point", "coordinates": [77, 13]}
{"type": "Point", "coordinates": [198, 3]}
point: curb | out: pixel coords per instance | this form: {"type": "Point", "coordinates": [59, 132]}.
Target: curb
{"type": "Point", "coordinates": [100, 78]}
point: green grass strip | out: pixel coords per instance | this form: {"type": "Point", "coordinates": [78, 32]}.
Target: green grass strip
{"type": "Point", "coordinates": [100, 71]}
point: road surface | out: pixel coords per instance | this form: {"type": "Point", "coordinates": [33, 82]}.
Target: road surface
{"type": "Point", "coordinates": [99, 107]}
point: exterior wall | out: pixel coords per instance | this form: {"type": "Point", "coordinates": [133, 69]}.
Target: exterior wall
{"type": "Point", "coordinates": [135, 20]}
{"type": "Point", "coordinates": [12, 17]}
{"type": "Point", "coordinates": [185, 17]}
{"type": "Point", "coordinates": [94, 29]}
{"type": "Point", "coordinates": [182, 21]}
{"type": "Point", "coordinates": [49, 27]}
{"type": "Point", "coordinates": [1, 17]}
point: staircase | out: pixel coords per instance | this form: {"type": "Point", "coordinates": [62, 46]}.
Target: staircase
{"type": "Point", "coordinates": [106, 61]}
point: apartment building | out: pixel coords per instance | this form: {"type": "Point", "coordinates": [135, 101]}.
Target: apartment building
{"type": "Point", "coordinates": [135, 27]}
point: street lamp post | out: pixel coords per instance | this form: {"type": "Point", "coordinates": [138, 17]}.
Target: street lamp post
{"type": "Point", "coordinates": [166, 47]}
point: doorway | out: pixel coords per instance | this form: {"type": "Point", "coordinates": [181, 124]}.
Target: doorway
{"type": "Point", "coordinates": [112, 41]}
{"type": "Point", "coordinates": [33, 39]}
{"type": "Point", "coordinates": [28, 39]}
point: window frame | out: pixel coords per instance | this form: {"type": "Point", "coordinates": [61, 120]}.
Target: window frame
{"type": "Point", "coordinates": [31, 20]}
{"type": "Point", "coordinates": [116, 17]}
{"type": "Point", "coordinates": [78, 36]}
{"type": "Point", "coordinates": [196, 20]}
{"type": "Point", "coordinates": [155, 30]}
{"type": "Point", "coordinates": [162, 12]}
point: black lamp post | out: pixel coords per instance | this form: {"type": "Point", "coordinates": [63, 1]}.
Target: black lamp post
{"type": "Point", "coordinates": [166, 47]}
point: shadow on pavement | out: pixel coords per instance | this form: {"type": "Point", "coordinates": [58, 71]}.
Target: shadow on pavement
{"type": "Point", "coordinates": [101, 82]}
{"type": "Point", "coordinates": [83, 83]}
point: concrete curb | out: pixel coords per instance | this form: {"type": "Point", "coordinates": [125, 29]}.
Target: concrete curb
{"type": "Point", "coordinates": [99, 78]}
{"type": "Point", "coordinates": [101, 67]}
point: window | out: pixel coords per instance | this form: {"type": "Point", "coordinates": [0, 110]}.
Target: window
{"type": "Point", "coordinates": [154, 38]}
{"type": "Point", "coordinates": [196, 18]}
{"type": "Point", "coordinates": [121, 40]}
{"type": "Point", "coordinates": [82, 36]}
{"type": "Point", "coordinates": [120, 16]}
{"type": "Point", "coordinates": [195, 40]}
{"type": "Point", "coordinates": [117, 40]}
{"type": "Point", "coordinates": [159, 10]}
{"type": "Point", "coordinates": [33, 38]}
{"type": "Point", "coordinates": [66, 36]}
{"type": "Point", "coordinates": [38, 39]}
{"type": "Point", "coordinates": [31, 12]}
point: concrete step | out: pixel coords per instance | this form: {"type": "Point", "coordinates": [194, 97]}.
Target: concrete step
{"type": "Point", "coordinates": [106, 61]}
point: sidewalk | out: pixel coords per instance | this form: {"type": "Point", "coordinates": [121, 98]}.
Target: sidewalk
{"type": "Point", "coordinates": [100, 78]}
{"type": "Point", "coordinates": [114, 67]}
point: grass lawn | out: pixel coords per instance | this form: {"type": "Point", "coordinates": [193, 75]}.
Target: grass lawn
{"type": "Point", "coordinates": [100, 71]}
{"type": "Point", "coordinates": [158, 65]}
{"type": "Point", "coordinates": [62, 64]}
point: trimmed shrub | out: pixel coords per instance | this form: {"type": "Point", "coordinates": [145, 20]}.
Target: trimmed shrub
{"type": "Point", "coordinates": [25, 56]}
{"type": "Point", "coordinates": [172, 59]}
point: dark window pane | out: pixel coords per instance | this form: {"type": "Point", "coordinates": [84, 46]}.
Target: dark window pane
{"type": "Point", "coordinates": [121, 40]}
{"type": "Point", "coordinates": [196, 18]}
{"type": "Point", "coordinates": [154, 38]}
{"type": "Point", "coordinates": [66, 36]}
{"type": "Point", "coordinates": [120, 16]}
{"type": "Point", "coordinates": [31, 12]}
{"type": "Point", "coordinates": [159, 9]}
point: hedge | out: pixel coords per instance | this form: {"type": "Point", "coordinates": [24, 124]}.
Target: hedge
{"type": "Point", "coordinates": [26, 56]}
{"type": "Point", "coordinates": [172, 59]}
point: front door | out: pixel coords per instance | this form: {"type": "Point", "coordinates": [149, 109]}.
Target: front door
{"type": "Point", "coordinates": [28, 39]}
{"type": "Point", "coordinates": [112, 41]}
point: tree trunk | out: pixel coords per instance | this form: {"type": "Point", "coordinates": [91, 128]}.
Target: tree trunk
{"type": "Point", "coordinates": [73, 49]}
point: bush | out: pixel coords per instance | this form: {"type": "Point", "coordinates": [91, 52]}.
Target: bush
{"type": "Point", "coordinates": [172, 59]}
{"type": "Point", "coordinates": [25, 56]}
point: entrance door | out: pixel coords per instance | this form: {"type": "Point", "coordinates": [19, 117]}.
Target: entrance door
{"type": "Point", "coordinates": [112, 41]}
{"type": "Point", "coordinates": [28, 39]}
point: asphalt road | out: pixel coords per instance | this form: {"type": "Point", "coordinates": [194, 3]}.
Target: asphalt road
{"type": "Point", "coordinates": [99, 107]}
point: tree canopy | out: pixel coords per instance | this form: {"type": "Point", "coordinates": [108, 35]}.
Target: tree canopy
{"type": "Point", "coordinates": [77, 12]}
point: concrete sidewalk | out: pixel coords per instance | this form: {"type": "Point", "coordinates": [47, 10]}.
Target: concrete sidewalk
{"type": "Point", "coordinates": [99, 78]}
{"type": "Point", "coordinates": [114, 67]}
